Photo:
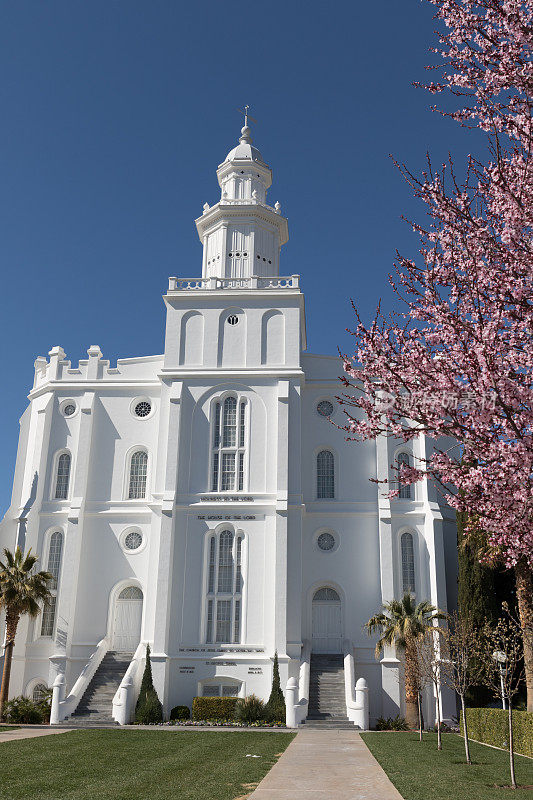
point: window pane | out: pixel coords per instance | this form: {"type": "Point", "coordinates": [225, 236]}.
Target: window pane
{"type": "Point", "coordinates": [62, 478]}
{"type": "Point", "coordinates": [216, 434]}
{"type": "Point", "coordinates": [214, 483]}
{"type": "Point", "coordinates": [227, 482]}
{"type": "Point", "coordinates": [211, 582]}
{"type": "Point", "coordinates": [54, 557]}
{"type": "Point", "coordinates": [224, 621]}
{"type": "Point", "coordinates": [211, 691]}
{"type": "Point", "coordinates": [225, 562]}
{"type": "Point", "coordinates": [49, 613]}
{"type": "Point", "coordinates": [229, 423]}
{"type": "Point", "coordinates": [138, 472]}
{"type": "Point", "coordinates": [241, 425]}
{"type": "Point", "coordinates": [408, 563]}
{"type": "Point", "coordinates": [230, 691]}
{"type": "Point", "coordinates": [325, 476]}
{"type": "Point", "coordinates": [39, 693]}
{"type": "Point", "coordinates": [237, 626]}
{"type": "Point", "coordinates": [209, 635]}
{"type": "Point", "coordinates": [241, 471]}
{"type": "Point", "coordinates": [405, 489]}
{"type": "Point", "coordinates": [238, 578]}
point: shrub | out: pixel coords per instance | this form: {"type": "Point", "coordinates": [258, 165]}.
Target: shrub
{"type": "Point", "coordinates": [151, 710]}
{"type": "Point", "coordinates": [250, 709]}
{"type": "Point", "coordinates": [180, 712]}
{"type": "Point", "coordinates": [491, 726]}
{"type": "Point", "coordinates": [396, 723]}
{"type": "Point", "coordinates": [213, 707]}
{"type": "Point", "coordinates": [26, 711]}
{"type": "Point", "coordinates": [275, 708]}
{"type": "Point", "coordinates": [148, 708]}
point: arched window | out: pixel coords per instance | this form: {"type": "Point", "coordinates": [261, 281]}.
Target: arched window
{"type": "Point", "coordinates": [325, 475]}
{"type": "Point", "coordinates": [405, 488]}
{"type": "Point", "coordinates": [39, 693]}
{"type": "Point", "coordinates": [224, 587]}
{"type": "Point", "coordinates": [53, 565]}
{"type": "Point", "coordinates": [228, 448]}
{"type": "Point", "coordinates": [408, 563]}
{"type": "Point", "coordinates": [138, 473]}
{"type": "Point", "coordinates": [62, 476]}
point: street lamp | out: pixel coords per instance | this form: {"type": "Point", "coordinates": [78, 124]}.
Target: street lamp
{"type": "Point", "coordinates": [500, 658]}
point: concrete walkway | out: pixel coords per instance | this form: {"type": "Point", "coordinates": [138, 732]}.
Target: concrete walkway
{"type": "Point", "coordinates": [28, 733]}
{"type": "Point", "coordinates": [326, 765]}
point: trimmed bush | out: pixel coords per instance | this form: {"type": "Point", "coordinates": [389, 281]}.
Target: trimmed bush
{"type": "Point", "coordinates": [148, 709]}
{"type": "Point", "coordinates": [396, 723]}
{"type": "Point", "coordinates": [275, 708]}
{"type": "Point", "coordinates": [213, 707]}
{"type": "Point", "coordinates": [250, 709]}
{"type": "Point", "coordinates": [180, 712]}
{"type": "Point", "coordinates": [491, 726]}
{"type": "Point", "coordinates": [24, 710]}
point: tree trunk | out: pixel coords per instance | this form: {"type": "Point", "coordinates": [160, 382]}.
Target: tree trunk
{"type": "Point", "coordinates": [420, 723]}
{"type": "Point", "coordinates": [411, 688]}
{"type": "Point", "coordinates": [511, 745]}
{"type": "Point", "coordinates": [465, 731]}
{"type": "Point", "coordinates": [12, 621]}
{"type": "Point", "coordinates": [524, 593]}
{"type": "Point", "coordinates": [439, 732]}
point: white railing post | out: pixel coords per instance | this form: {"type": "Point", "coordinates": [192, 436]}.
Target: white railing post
{"type": "Point", "coordinates": [361, 700]}
{"type": "Point", "coordinates": [58, 694]}
{"type": "Point", "coordinates": [291, 692]}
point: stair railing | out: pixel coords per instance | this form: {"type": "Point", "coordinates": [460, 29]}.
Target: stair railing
{"type": "Point", "coordinates": [63, 707]}
{"type": "Point", "coordinates": [297, 694]}
{"type": "Point", "coordinates": [126, 694]}
{"type": "Point", "coordinates": [356, 693]}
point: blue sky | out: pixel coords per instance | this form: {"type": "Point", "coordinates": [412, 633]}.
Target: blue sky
{"type": "Point", "coordinates": [116, 114]}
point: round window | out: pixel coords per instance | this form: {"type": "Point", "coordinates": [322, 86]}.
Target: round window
{"type": "Point", "coordinates": [142, 409]}
{"type": "Point", "coordinates": [233, 319]}
{"type": "Point", "coordinates": [133, 540]}
{"type": "Point", "coordinates": [325, 408]}
{"type": "Point", "coordinates": [326, 542]}
{"type": "Point", "coordinates": [69, 409]}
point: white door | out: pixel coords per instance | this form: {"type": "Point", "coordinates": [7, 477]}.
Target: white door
{"type": "Point", "coordinates": [327, 624]}
{"type": "Point", "coordinates": [127, 620]}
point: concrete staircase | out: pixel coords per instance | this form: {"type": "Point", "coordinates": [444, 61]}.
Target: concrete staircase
{"type": "Point", "coordinates": [96, 705]}
{"type": "Point", "coordinates": [327, 699]}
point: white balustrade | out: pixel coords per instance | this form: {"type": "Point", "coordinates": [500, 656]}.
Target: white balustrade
{"type": "Point", "coordinates": [63, 707]}
{"type": "Point", "coordinates": [126, 694]}
{"type": "Point", "coordinates": [356, 693]}
{"type": "Point", "coordinates": [297, 693]}
{"type": "Point", "coordinates": [250, 282]}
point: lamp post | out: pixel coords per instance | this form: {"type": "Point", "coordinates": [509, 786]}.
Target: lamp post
{"type": "Point", "coordinates": [500, 658]}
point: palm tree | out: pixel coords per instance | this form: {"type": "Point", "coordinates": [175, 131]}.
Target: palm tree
{"type": "Point", "coordinates": [22, 591]}
{"type": "Point", "coordinates": [402, 623]}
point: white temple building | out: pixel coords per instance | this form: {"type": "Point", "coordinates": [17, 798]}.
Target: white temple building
{"type": "Point", "coordinates": [203, 502]}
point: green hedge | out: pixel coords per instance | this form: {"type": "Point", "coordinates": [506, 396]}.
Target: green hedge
{"type": "Point", "coordinates": [491, 726]}
{"type": "Point", "coordinates": [213, 707]}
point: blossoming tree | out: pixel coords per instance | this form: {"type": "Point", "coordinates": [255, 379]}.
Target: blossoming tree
{"type": "Point", "coordinates": [456, 360]}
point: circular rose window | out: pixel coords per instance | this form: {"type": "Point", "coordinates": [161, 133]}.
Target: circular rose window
{"type": "Point", "coordinates": [133, 540]}
{"type": "Point", "coordinates": [325, 408]}
{"type": "Point", "coordinates": [326, 542]}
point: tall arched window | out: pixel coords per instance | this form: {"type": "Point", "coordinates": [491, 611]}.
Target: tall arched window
{"type": "Point", "coordinates": [228, 445]}
{"type": "Point", "coordinates": [224, 588]}
{"type": "Point", "coordinates": [405, 488]}
{"type": "Point", "coordinates": [325, 475]}
{"type": "Point", "coordinates": [408, 563]}
{"type": "Point", "coordinates": [138, 473]}
{"type": "Point", "coordinates": [53, 566]}
{"type": "Point", "coordinates": [62, 476]}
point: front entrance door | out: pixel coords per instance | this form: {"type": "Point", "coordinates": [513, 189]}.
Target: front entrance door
{"type": "Point", "coordinates": [127, 620]}
{"type": "Point", "coordinates": [327, 625]}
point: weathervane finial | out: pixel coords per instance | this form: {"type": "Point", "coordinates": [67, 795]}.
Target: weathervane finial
{"type": "Point", "coordinates": [245, 131]}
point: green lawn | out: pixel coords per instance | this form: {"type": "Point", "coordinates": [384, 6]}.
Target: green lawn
{"type": "Point", "coordinates": [420, 772]}
{"type": "Point", "coordinates": [137, 765]}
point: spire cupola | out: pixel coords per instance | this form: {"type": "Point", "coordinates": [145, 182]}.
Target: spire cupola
{"type": "Point", "coordinates": [241, 234]}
